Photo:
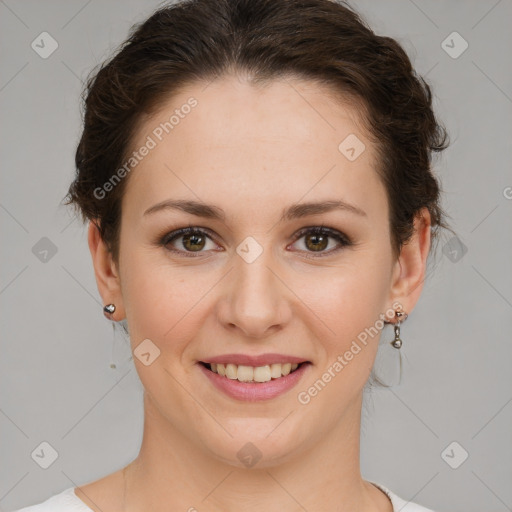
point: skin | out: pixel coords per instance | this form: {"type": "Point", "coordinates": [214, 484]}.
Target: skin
{"type": "Point", "coordinates": [253, 151]}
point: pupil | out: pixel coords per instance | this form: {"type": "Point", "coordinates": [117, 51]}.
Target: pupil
{"type": "Point", "coordinates": [194, 241]}
{"type": "Point", "coordinates": [316, 239]}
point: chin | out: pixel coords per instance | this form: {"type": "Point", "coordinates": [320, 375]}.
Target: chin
{"type": "Point", "coordinates": [257, 443]}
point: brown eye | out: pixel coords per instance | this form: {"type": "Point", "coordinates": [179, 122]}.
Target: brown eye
{"type": "Point", "coordinates": [317, 239]}
{"type": "Point", "coordinates": [193, 240]}
{"type": "Point", "coordinates": [316, 242]}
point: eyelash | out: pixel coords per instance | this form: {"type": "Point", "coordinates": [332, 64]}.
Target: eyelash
{"type": "Point", "coordinates": [315, 230]}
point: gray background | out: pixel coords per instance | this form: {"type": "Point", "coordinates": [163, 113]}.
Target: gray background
{"type": "Point", "coordinates": [56, 382]}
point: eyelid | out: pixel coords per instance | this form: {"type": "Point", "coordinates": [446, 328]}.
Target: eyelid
{"type": "Point", "coordinates": [321, 229]}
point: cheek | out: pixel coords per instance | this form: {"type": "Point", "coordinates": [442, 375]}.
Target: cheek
{"type": "Point", "coordinates": [354, 295]}
{"type": "Point", "coordinates": [350, 302]}
{"type": "Point", "coordinates": [165, 303]}
{"type": "Point", "coordinates": [153, 296]}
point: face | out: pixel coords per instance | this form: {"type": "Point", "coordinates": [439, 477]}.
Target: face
{"type": "Point", "coordinates": [259, 280]}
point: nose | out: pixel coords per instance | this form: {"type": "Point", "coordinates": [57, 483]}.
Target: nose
{"type": "Point", "coordinates": [255, 301]}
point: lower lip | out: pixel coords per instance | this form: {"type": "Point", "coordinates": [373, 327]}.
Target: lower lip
{"type": "Point", "coordinates": [255, 391]}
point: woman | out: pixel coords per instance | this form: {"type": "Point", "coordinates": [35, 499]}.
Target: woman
{"type": "Point", "coordinates": [256, 176]}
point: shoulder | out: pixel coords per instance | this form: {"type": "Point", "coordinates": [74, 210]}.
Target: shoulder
{"type": "Point", "coordinates": [401, 505]}
{"type": "Point", "coordinates": [66, 501]}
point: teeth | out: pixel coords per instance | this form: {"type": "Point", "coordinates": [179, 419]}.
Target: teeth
{"type": "Point", "coordinates": [261, 373]}
{"type": "Point", "coordinates": [286, 368]}
{"type": "Point", "coordinates": [231, 371]}
{"type": "Point", "coordinates": [244, 373]}
{"type": "Point", "coordinates": [275, 371]}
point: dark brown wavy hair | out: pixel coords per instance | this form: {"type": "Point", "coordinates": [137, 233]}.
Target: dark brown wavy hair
{"type": "Point", "coordinates": [319, 40]}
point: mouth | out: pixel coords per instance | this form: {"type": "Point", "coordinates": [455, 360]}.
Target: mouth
{"type": "Point", "coordinates": [254, 378]}
{"type": "Point", "coordinates": [253, 374]}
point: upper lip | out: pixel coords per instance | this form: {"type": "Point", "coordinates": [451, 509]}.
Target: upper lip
{"type": "Point", "coordinates": [259, 360]}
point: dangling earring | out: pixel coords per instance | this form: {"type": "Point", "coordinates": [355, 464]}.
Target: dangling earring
{"type": "Point", "coordinates": [387, 371]}
{"type": "Point", "coordinates": [397, 342]}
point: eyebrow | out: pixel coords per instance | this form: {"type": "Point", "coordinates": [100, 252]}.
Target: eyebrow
{"type": "Point", "coordinates": [295, 211]}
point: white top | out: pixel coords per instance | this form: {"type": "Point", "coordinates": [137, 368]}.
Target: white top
{"type": "Point", "coordinates": [68, 501]}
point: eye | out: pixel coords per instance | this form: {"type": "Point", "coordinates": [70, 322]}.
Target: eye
{"type": "Point", "coordinates": [193, 240]}
{"type": "Point", "coordinates": [316, 240]}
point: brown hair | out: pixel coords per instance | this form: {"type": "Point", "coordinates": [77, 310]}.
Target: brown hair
{"type": "Point", "coordinates": [320, 40]}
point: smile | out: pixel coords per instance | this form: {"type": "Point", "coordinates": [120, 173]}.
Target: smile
{"type": "Point", "coordinates": [258, 378]}
{"type": "Point", "coordinates": [244, 373]}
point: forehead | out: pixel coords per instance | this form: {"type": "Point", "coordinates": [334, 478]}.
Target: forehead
{"type": "Point", "coordinates": [231, 110]}
{"type": "Point", "coordinates": [283, 138]}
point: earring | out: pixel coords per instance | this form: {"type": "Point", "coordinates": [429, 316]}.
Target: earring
{"type": "Point", "coordinates": [118, 347]}
{"type": "Point", "coordinates": [397, 342]}
{"type": "Point", "coordinates": [108, 310]}
{"type": "Point", "coordinates": [387, 370]}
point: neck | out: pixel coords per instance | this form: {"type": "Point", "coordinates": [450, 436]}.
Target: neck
{"type": "Point", "coordinates": [172, 472]}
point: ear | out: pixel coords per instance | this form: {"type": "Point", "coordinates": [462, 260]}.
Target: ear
{"type": "Point", "coordinates": [410, 268]}
{"type": "Point", "coordinates": [106, 272]}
